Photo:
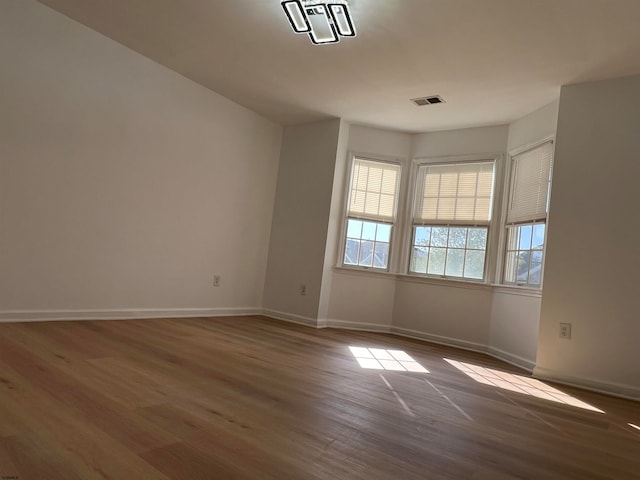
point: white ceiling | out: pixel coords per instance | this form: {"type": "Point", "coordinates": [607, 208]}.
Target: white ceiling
{"type": "Point", "coordinates": [493, 61]}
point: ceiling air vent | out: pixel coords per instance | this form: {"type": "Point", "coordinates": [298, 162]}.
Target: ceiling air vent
{"type": "Point", "coordinates": [430, 100]}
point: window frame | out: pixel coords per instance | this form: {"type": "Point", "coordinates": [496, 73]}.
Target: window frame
{"type": "Point", "coordinates": [507, 189]}
{"type": "Point", "coordinates": [496, 200]}
{"type": "Point", "coordinates": [352, 156]}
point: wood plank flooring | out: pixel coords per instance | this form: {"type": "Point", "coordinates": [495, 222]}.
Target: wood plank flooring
{"type": "Point", "coordinates": [254, 398]}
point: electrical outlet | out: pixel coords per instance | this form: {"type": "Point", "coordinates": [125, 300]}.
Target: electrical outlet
{"type": "Point", "coordinates": [303, 289]}
{"type": "Point", "coordinates": [216, 280]}
{"type": "Point", "coordinates": [565, 331]}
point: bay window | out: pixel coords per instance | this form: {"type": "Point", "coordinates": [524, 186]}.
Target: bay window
{"type": "Point", "coordinates": [371, 213]}
{"type": "Point", "coordinates": [527, 212]}
{"type": "Point", "coordinates": [451, 217]}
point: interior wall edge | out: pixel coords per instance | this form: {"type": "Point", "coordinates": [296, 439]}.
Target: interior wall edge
{"type": "Point", "coordinates": [516, 360]}
{"type": "Point", "coordinates": [290, 317]}
{"type": "Point", "coordinates": [15, 316]}
{"type": "Point", "coordinates": [358, 326]}
{"type": "Point", "coordinates": [439, 339]}
{"type": "Point", "coordinates": [627, 392]}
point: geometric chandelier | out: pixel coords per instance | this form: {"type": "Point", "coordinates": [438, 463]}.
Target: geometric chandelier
{"type": "Point", "coordinates": [324, 21]}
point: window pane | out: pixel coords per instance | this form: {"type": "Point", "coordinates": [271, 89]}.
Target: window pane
{"type": "Point", "coordinates": [381, 255]}
{"type": "Point", "coordinates": [354, 228]}
{"type": "Point", "coordinates": [477, 238]}
{"type": "Point", "coordinates": [474, 264]}
{"type": "Point", "coordinates": [523, 266]}
{"type": "Point", "coordinates": [357, 201]}
{"type": "Point", "coordinates": [439, 236]}
{"type": "Point", "coordinates": [511, 265]}
{"type": "Point", "coordinates": [366, 254]}
{"type": "Point", "coordinates": [455, 262]}
{"type": "Point", "coordinates": [525, 251]}
{"type": "Point", "coordinates": [538, 236]}
{"type": "Point", "coordinates": [457, 237]}
{"type": "Point", "coordinates": [387, 205]}
{"type": "Point", "coordinates": [374, 182]}
{"type": "Point", "coordinates": [370, 244]}
{"type": "Point", "coordinates": [525, 237]}
{"type": "Point", "coordinates": [535, 273]}
{"type": "Point", "coordinates": [372, 204]}
{"type": "Point", "coordinates": [383, 234]}
{"type": "Point", "coordinates": [536, 256]}
{"type": "Point", "coordinates": [423, 235]}
{"type": "Point", "coordinates": [368, 231]}
{"type": "Point", "coordinates": [373, 190]}
{"type": "Point", "coordinates": [449, 247]}
{"type": "Point", "coordinates": [419, 259]}
{"type": "Point", "coordinates": [531, 173]}
{"type": "Point", "coordinates": [351, 252]}
{"type": "Point", "coordinates": [512, 238]}
{"type": "Point", "coordinates": [448, 192]}
{"type": "Point", "coordinates": [436, 261]}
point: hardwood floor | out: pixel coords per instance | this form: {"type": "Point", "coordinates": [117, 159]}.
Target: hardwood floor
{"type": "Point", "coordinates": [253, 398]}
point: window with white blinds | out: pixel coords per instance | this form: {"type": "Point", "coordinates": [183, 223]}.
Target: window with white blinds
{"type": "Point", "coordinates": [456, 193]}
{"type": "Point", "coordinates": [373, 199]}
{"type": "Point", "coordinates": [451, 216]}
{"type": "Point", "coordinates": [530, 185]}
{"type": "Point", "coordinates": [527, 216]}
{"type": "Point", "coordinates": [374, 188]}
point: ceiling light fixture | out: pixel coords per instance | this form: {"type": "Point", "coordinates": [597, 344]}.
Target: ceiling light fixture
{"type": "Point", "coordinates": [324, 21]}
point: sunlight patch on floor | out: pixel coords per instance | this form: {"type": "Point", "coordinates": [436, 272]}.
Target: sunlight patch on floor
{"type": "Point", "coordinates": [519, 384]}
{"type": "Point", "coordinates": [634, 426]}
{"type": "Point", "coordinates": [382, 359]}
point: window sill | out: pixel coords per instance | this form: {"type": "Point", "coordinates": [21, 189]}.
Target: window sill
{"type": "Point", "coordinates": [444, 282]}
{"type": "Point", "coordinates": [441, 282]}
{"type": "Point", "coordinates": [404, 277]}
{"type": "Point", "coordinates": [517, 290]}
{"type": "Point", "coordinates": [364, 271]}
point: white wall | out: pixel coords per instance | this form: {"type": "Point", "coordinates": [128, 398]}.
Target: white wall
{"type": "Point", "coordinates": [515, 317]}
{"type": "Point", "coordinates": [592, 264]}
{"type": "Point", "coordinates": [468, 141]}
{"type": "Point", "coordinates": [515, 314]}
{"type": "Point", "coordinates": [540, 124]}
{"type": "Point", "coordinates": [123, 185]}
{"type": "Point", "coordinates": [455, 314]}
{"type": "Point", "coordinates": [301, 220]}
{"type": "Point", "coordinates": [361, 300]}
{"type": "Point", "coordinates": [336, 219]}
{"type": "Point", "coordinates": [450, 311]}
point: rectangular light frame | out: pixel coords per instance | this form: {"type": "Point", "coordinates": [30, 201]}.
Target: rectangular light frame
{"type": "Point", "coordinates": [323, 31]}
{"type": "Point", "coordinates": [297, 17]}
{"type": "Point", "coordinates": [324, 22]}
{"type": "Point", "coordinates": [342, 19]}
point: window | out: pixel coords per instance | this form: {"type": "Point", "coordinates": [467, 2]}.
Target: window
{"type": "Point", "coordinates": [373, 198]}
{"type": "Point", "coordinates": [527, 216]}
{"type": "Point", "coordinates": [452, 211]}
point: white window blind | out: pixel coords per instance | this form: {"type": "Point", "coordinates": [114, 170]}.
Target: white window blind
{"type": "Point", "coordinates": [530, 187]}
{"type": "Point", "coordinates": [373, 192]}
{"type": "Point", "coordinates": [457, 193]}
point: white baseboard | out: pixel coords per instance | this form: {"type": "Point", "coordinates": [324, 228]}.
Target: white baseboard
{"type": "Point", "coordinates": [366, 327]}
{"type": "Point", "coordinates": [608, 388]}
{"type": "Point", "coordinates": [439, 339]}
{"type": "Point", "coordinates": [405, 332]}
{"type": "Point", "coordinates": [290, 317]}
{"type": "Point", "coordinates": [511, 358]}
{"type": "Point", "coordinates": [8, 316]}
